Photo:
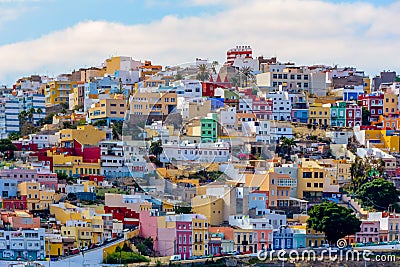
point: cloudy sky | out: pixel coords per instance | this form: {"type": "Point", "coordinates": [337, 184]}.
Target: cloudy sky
{"type": "Point", "coordinates": [54, 36]}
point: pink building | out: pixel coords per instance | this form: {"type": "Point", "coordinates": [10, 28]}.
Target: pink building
{"type": "Point", "coordinates": [47, 180]}
{"type": "Point", "coordinates": [184, 237]}
{"type": "Point", "coordinates": [154, 226]}
{"type": "Point", "coordinates": [369, 232]}
{"type": "Point", "coordinates": [262, 107]}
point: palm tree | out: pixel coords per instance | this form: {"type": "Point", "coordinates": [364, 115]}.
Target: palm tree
{"type": "Point", "coordinates": [214, 64]}
{"type": "Point", "coordinates": [287, 144]}
{"type": "Point", "coordinates": [156, 148]}
{"type": "Point", "coordinates": [22, 117]}
{"type": "Point", "coordinates": [39, 111]}
{"type": "Point", "coordinates": [357, 172]}
{"type": "Point", "coordinates": [203, 72]}
{"type": "Point", "coordinates": [30, 113]}
{"type": "Point", "coordinates": [247, 73]}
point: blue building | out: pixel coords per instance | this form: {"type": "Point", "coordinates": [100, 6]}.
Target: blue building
{"type": "Point", "coordinates": [99, 85]}
{"type": "Point", "coordinates": [216, 103]}
{"type": "Point", "coordinates": [257, 200]}
{"type": "Point", "coordinates": [283, 238]}
{"type": "Point", "coordinates": [86, 196]}
{"type": "Point", "coordinates": [8, 188]}
{"type": "Point", "coordinates": [300, 115]}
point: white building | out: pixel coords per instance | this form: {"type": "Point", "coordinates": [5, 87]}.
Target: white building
{"type": "Point", "coordinates": [282, 105]}
{"type": "Point", "coordinates": [25, 244]}
{"type": "Point", "coordinates": [292, 78]}
{"type": "Point", "coordinates": [251, 63]}
{"type": "Point", "coordinates": [227, 117]}
{"type": "Point", "coordinates": [23, 101]}
{"type": "Point", "coordinates": [339, 137]}
{"type": "Point", "coordinates": [112, 160]}
{"type": "Point", "coordinates": [281, 129]}
{"type": "Point", "coordinates": [198, 152]}
{"type": "Point", "coordinates": [188, 88]}
{"type": "Point", "coordinates": [245, 104]}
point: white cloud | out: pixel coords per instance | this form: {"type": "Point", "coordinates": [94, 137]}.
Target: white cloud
{"type": "Point", "coordinates": [306, 32]}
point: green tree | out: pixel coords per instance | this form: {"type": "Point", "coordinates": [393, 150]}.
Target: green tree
{"type": "Point", "coordinates": [378, 194]}
{"type": "Point", "coordinates": [100, 123]}
{"type": "Point", "coordinates": [214, 65]}
{"type": "Point", "coordinates": [156, 148]}
{"type": "Point", "coordinates": [203, 73]}
{"type": "Point", "coordinates": [117, 129]}
{"type": "Point", "coordinates": [363, 170]}
{"type": "Point", "coordinates": [22, 117]}
{"type": "Point", "coordinates": [62, 176]}
{"type": "Point", "coordinates": [365, 116]}
{"type": "Point", "coordinates": [334, 220]}
{"type": "Point", "coordinates": [178, 77]}
{"type": "Point", "coordinates": [246, 73]}
{"type": "Point", "coordinates": [48, 119]}
{"type": "Point", "coordinates": [357, 172]}
{"type": "Point", "coordinates": [14, 136]}
{"type": "Point", "coordinates": [39, 111]}
{"type": "Point", "coordinates": [7, 148]}
{"type": "Point", "coordinates": [287, 145]}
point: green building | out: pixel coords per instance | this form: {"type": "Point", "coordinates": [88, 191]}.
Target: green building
{"type": "Point", "coordinates": [209, 126]}
{"type": "Point", "coordinates": [338, 114]}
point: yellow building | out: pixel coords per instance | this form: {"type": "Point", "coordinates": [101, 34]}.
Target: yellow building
{"type": "Point", "coordinates": [380, 139]}
{"type": "Point", "coordinates": [110, 109]}
{"type": "Point", "coordinates": [84, 134]}
{"type": "Point", "coordinates": [210, 206]}
{"type": "Point", "coordinates": [55, 246]}
{"type": "Point", "coordinates": [148, 103]}
{"type": "Point", "coordinates": [313, 238]}
{"type": "Point", "coordinates": [320, 114]}
{"type": "Point", "coordinates": [74, 165]}
{"type": "Point", "coordinates": [277, 185]}
{"type": "Point", "coordinates": [65, 211]}
{"type": "Point", "coordinates": [57, 92]}
{"type": "Point", "coordinates": [367, 85]}
{"type": "Point", "coordinates": [390, 103]}
{"type": "Point", "coordinates": [311, 179]}
{"type": "Point", "coordinates": [243, 239]}
{"type": "Point", "coordinates": [37, 199]}
{"type": "Point", "coordinates": [199, 235]}
{"type": "Point", "coordinates": [114, 64]}
{"type": "Point", "coordinates": [82, 234]}
{"type": "Point", "coordinates": [343, 171]}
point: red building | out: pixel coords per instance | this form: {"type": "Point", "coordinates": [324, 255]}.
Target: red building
{"type": "Point", "coordinates": [373, 103]}
{"type": "Point", "coordinates": [242, 51]}
{"type": "Point", "coordinates": [127, 216]}
{"type": "Point", "coordinates": [15, 203]}
{"type": "Point", "coordinates": [353, 115]}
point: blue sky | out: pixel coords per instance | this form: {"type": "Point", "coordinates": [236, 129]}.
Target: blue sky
{"type": "Point", "coordinates": [39, 17]}
{"type": "Point", "coordinates": [44, 16]}
{"type": "Point", "coordinates": [53, 36]}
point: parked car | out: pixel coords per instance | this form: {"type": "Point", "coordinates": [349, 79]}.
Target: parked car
{"type": "Point", "coordinates": [74, 251]}
{"type": "Point", "coordinates": [175, 258]}
{"type": "Point", "coordinates": [99, 244]}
